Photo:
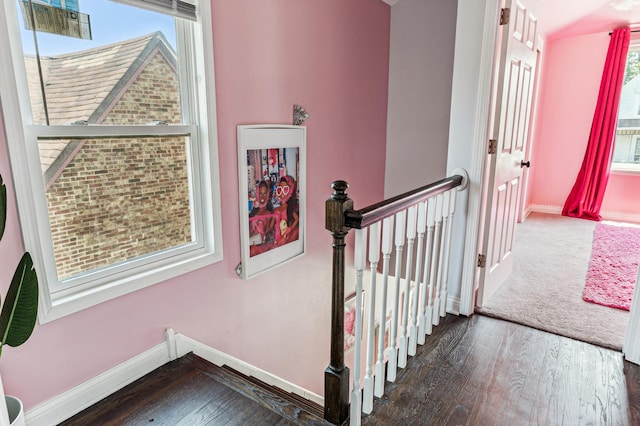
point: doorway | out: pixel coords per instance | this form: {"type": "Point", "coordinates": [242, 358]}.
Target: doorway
{"type": "Point", "coordinates": [551, 258]}
{"type": "Point", "coordinates": [475, 55]}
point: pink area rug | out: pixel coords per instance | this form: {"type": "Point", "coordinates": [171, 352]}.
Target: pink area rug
{"type": "Point", "coordinates": [613, 267]}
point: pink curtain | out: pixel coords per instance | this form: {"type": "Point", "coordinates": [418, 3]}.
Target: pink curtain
{"type": "Point", "coordinates": [585, 198]}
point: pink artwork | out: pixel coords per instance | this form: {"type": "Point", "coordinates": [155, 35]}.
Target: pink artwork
{"type": "Point", "coordinates": [350, 321]}
{"type": "Point", "coordinates": [271, 171]}
{"type": "Point", "coordinates": [349, 328]}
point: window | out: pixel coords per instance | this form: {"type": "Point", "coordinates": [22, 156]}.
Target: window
{"type": "Point", "coordinates": [626, 152]}
{"type": "Point", "coordinates": [110, 118]}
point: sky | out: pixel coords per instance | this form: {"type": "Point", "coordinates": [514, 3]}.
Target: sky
{"type": "Point", "coordinates": [110, 22]}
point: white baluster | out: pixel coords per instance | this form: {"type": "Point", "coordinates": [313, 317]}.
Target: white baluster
{"type": "Point", "coordinates": [433, 262]}
{"type": "Point", "coordinates": [374, 256]}
{"type": "Point", "coordinates": [450, 208]}
{"type": "Point", "coordinates": [426, 295]}
{"type": "Point", "coordinates": [419, 288]}
{"type": "Point", "coordinates": [411, 235]}
{"type": "Point", "coordinates": [387, 233]}
{"type": "Point", "coordinates": [359, 256]}
{"type": "Point", "coordinates": [392, 366]}
{"type": "Point", "coordinates": [438, 251]}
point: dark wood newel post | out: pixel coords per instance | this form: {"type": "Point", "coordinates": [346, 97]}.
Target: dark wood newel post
{"type": "Point", "coordinates": [336, 376]}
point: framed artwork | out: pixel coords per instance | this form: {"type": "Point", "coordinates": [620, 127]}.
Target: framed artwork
{"type": "Point", "coordinates": [272, 185]}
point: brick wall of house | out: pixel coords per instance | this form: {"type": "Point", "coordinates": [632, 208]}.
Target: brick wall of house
{"type": "Point", "coordinates": [121, 198]}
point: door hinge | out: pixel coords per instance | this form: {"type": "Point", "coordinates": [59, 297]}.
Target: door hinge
{"type": "Point", "coordinates": [482, 260]}
{"type": "Point", "coordinates": [505, 12]}
{"type": "Point", "coordinates": [493, 146]}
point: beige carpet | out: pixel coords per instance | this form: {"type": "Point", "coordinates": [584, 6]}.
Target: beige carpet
{"type": "Point", "coordinates": [545, 289]}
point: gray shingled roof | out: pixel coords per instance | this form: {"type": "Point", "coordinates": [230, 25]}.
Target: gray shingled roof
{"type": "Point", "coordinates": [83, 86]}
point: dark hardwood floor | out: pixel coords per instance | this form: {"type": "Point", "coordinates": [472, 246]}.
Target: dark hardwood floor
{"type": "Point", "coordinates": [191, 391]}
{"type": "Point", "coordinates": [485, 371]}
{"type": "Point", "coordinates": [472, 371]}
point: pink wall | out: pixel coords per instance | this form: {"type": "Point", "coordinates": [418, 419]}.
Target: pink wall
{"type": "Point", "coordinates": [330, 56]}
{"type": "Point", "coordinates": [569, 88]}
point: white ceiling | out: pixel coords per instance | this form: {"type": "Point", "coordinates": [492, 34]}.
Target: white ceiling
{"type": "Point", "coordinates": [573, 17]}
{"type": "Point", "coordinates": [563, 18]}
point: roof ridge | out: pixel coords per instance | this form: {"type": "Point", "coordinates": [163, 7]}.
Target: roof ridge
{"type": "Point", "coordinates": [79, 53]}
{"type": "Point", "coordinates": [75, 96]}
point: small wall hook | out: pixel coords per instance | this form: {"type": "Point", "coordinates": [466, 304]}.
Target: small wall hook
{"type": "Point", "coordinates": [299, 115]}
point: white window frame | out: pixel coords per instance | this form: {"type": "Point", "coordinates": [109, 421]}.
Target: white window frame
{"type": "Point", "coordinates": [627, 168]}
{"type": "Point", "coordinates": [105, 284]}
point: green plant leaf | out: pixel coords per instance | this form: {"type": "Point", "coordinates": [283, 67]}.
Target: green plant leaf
{"type": "Point", "coordinates": [3, 206]}
{"type": "Point", "coordinates": [20, 309]}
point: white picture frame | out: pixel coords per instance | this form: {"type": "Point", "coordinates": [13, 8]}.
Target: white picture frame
{"type": "Point", "coordinates": [272, 220]}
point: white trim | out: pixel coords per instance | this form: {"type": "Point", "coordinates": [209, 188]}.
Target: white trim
{"type": "Point", "coordinates": [208, 105]}
{"type": "Point", "coordinates": [176, 8]}
{"type": "Point", "coordinates": [525, 214]}
{"type": "Point", "coordinates": [391, 2]}
{"type": "Point", "coordinates": [606, 214]}
{"type": "Point", "coordinates": [541, 208]}
{"type": "Point", "coordinates": [71, 402]}
{"type": "Point", "coordinates": [453, 305]}
{"type": "Point", "coordinates": [98, 130]}
{"type": "Point", "coordinates": [261, 136]}
{"type": "Point", "coordinates": [631, 346]}
{"type": "Point", "coordinates": [58, 307]}
{"type": "Point", "coordinates": [184, 345]}
{"type": "Point", "coordinates": [620, 216]}
{"type": "Point", "coordinates": [625, 169]}
{"type": "Point", "coordinates": [170, 337]}
{"type": "Point", "coordinates": [484, 73]}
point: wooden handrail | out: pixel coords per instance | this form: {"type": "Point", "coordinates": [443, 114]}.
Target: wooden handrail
{"type": "Point", "coordinates": [362, 218]}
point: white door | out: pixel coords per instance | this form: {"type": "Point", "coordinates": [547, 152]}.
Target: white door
{"type": "Point", "coordinates": [513, 111]}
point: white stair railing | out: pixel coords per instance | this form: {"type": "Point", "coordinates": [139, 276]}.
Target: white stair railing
{"type": "Point", "coordinates": [374, 256]}
{"type": "Point", "coordinates": [393, 332]}
{"type": "Point", "coordinates": [400, 310]}
{"type": "Point", "coordinates": [387, 230]}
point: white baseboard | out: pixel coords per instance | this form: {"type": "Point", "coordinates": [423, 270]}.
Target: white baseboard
{"type": "Point", "coordinates": [620, 217]}
{"type": "Point", "coordinates": [88, 393]}
{"type": "Point", "coordinates": [73, 401]}
{"type": "Point", "coordinates": [540, 208]}
{"type": "Point", "coordinates": [185, 345]}
{"type": "Point", "coordinates": [606, 214]}
{"type": "Point", "coordinates": [453, 305]}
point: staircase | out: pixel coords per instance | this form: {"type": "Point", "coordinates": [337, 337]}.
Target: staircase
{"type": "Point", "coordinates": [192, 391]}
{"type": "Point", "coordinates": [400, 309]}
{"type": "Point", "coordinates": [288, 405]}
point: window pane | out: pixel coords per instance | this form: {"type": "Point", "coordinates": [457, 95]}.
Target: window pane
{"type": "Point", "coordinates": [112, 200]}
{"type": "Point", "coordinates": [112, 79]}
{"type": "Point", "coordinates": [627, 146]}
{"type": "Point", "coordinates": [628, 127]}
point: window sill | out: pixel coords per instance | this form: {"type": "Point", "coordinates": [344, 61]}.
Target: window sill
{"type": "Point", "coordinates": [625, 169]}
{"type": "Point", "coordinates": [53, 308]}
